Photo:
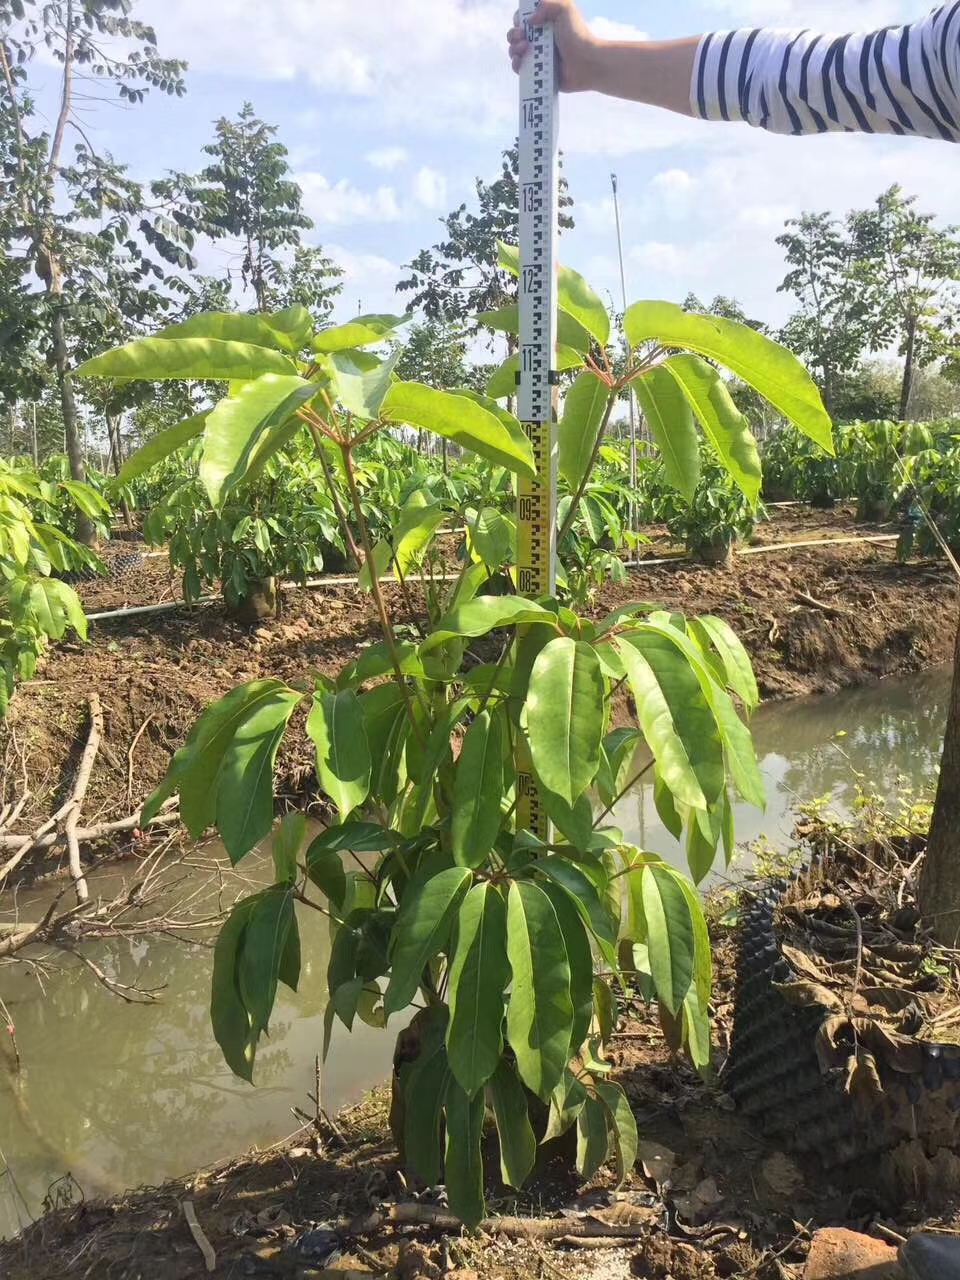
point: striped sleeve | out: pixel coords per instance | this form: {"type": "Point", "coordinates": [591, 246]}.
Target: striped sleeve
{"type": "Point", "coordinates": [901, 80]}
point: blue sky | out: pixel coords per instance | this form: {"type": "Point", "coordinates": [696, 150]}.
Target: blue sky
{"type": "Point", "coordinates": [390, 108]}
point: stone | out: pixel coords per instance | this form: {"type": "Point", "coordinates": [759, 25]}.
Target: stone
{"type": "Point", "coordinates": [838, 1254]}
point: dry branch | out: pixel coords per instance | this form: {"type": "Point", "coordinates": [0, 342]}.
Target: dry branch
{"type": "Point", "coordinates": [72, 817]}
{"type": "Point", "coordinates": [46, 839]}
{"type": "Point", "coordinates": [547, 1229]}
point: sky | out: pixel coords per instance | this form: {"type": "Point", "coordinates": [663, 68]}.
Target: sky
{"type": "Point", "coordinates": [391, 108]}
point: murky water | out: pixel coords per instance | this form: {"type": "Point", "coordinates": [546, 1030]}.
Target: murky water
{"type": "Point", "coordinates": [880, 736]}
{"type": "Point", "coordinates": [120, 1095]}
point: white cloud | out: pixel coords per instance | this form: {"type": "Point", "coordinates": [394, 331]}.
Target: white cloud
{"type": "Point", "coordinates": [828, 15]}
{"type": "Point", "coordinates": [442, 66]}
{"type": "Point", "coordinates": [430, 189]}
{"type": "Point", "coordinates": [387, 157]}
{"type": "Point", "coordinates": [369, 282]}
{"type": "Point", "coordinates": [341, 203]}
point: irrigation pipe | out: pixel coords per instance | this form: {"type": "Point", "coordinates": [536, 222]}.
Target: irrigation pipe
{"type": "Point", "coordinates": [172, 605]}
{"type": "Point", "coordinates": [773, 546]}
{"type": "Point", "coordinates": [350, 581]}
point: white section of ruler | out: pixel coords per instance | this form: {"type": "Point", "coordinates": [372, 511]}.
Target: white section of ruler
{"type": "Point", "coordinates": [538, 142]}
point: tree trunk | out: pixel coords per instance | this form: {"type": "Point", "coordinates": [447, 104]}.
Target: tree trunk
{"type": "Point", "coordinates": [940, 878]}
{"type": "Point", "coordinates": [86, 533]}
{"type": "Point", "coordinates": [908, 369]}
{"type": "Point", "coordinates": [116, 458]}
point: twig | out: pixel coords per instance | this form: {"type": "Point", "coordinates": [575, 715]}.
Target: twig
{"type": "Point", "coordinates": [133, 747]}
{"type": "Point", "coordinates": [131, 995]}
{"type": "Point", "coordinates": [831, 610]}
{"type": "Point", "coordinates": [22, 845]}
{"type": "Point", "coordinates": [79, 795]}
{"type": "Point", "coordinates": [201, 1241]}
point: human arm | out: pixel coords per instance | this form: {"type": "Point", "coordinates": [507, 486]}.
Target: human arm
{"type": "Point", "coordinates": [901, 80]}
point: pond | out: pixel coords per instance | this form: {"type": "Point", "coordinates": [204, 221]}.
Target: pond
{"type": "Point", "coordinates": [122, 1095]}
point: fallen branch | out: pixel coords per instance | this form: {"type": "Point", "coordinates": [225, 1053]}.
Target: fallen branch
{"type": "Point", "coordinates": [46, 839]}
{"type": "Point", "coordinates": [72, 817]}
{"type": "Point", "coordinates": [831, 610]}
{"type": "Point", "coordinates": [200, 1239]}
{"type": "Point", "coordinates": [133, 747]}
{"type": "Point", "coordinates": [550, 1229]}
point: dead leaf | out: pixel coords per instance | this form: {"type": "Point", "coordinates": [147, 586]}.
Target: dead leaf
{"type": "Point", "coordinates": [781, 1174]}
{"type": "Point", "coordinates": [657, 1162]}
{"type": "Point", "coordinates": [807, 994]}
{"type": "Point", "coordinates": [701, 1203]}
{"type": "Point", "coordinates": [623, 1213]}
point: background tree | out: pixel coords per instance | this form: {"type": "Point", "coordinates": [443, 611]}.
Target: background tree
{"type": "Point", "coordinates": [72, 216]}
{"type": "Point", "coordinates": [834, 325]}
{"type": "Point", "coordinates": [460, 276]}
{"type": "Point", "coordinates": [247, 195]}
{"type": "Point", "coordinates": [907, 269]}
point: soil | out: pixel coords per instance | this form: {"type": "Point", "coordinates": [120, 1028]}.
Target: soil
{"type": "Point", "coordinates": [709, 1197]}
{"type": "Point", "coordinates": [814, 619]}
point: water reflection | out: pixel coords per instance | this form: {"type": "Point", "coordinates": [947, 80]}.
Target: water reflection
{"type": "Point", "coordinates": [121, 1095]}
{"type": "Point", "coordinates": [819, 746]}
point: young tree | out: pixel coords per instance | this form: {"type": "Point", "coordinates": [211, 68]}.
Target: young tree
{"type": "Point", "coordinates": [835, 323]}
{"type": "Point", "coordinates": [72, 214]}
{"type": "Point", "coordinates": [907, 269]}
{"type": "Point", "coordinates": [247, 195]}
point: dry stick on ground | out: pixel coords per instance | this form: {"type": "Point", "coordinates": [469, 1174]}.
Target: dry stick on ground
{"type": "Point", "coordinates": [46, 839]}
{"type": "Point", "coordinates": [133, 747]}
{"type": "Point", "coordinates": [72, 818]}
{"type": "Point", "coordinates": [425, 1215]}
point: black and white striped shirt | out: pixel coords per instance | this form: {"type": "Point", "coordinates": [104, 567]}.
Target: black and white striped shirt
{"type": "Point", "coordinates": [902, 80]}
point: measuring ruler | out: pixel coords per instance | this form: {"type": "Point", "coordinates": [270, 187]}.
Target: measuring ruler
{"type": "Point", "coordinates": [536, 378]}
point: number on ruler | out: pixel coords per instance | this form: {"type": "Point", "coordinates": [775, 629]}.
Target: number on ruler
{"type": "Point", "coordinates": [531, 194]}
{"type": "Point", "coordinates": [530, 279]}
{"type": "Point", "coordinates": [527, 582]}
{"type": "Point", "coordinates": [529, 354]}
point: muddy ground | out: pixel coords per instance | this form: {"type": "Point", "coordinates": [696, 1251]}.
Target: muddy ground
{"type": "Point", "coordinates": [709, 1197]}
{"type": "Point", "coordinates": [814, 619]}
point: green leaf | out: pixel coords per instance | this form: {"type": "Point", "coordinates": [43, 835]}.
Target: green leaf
{"type": "Point", "coordinates": [162, 446]}
{"type": "Point", "coordinates": [336, 726]}
{"type": "Point", "coordinates": [703, 835]}
{"type": "Point", "coordinates": [670, 419]}
{"type": "Point", "coordinates": [54, 605]}
{"type": "Point", "coordinates": [580, 959]}
{"type": "Point", "coordinates": [509, 423]}
{"type": "Point", "coordinates": [360, 391]}
{"type": "Point", "coordinates": [622, 1124]}
{"type": "Point", "coordinates": [503, 381]}
{"type": "Point", "coordinates": [772, 370]}
{"type": "Point", "coordinates": [565, 716]}
{"type": "Point", "coordinates": [194, 769]}
{"type": "Point", "coordinates": [675, 718]}
{"type": "Point", "coordinates": [422, 931]}
{"type": "Point", "coordinates": [419, 521]}
{"type": "Point", "coordinates": [423, 1084]}
{"type": "Point", "coordinates": [492, 536]}
{"type": "Point", "coordinates": [723, 423]}
{"type": "Point", "coordinates": [244, 793]}
{"type": "Point", "coordinates": [287, 330]}
{"type": "Point", "coordinates": [540, 1009]}
{"type": "Point", "coordinates": [228, 1012]}
{"type": "Point", "coordinates": [566, 1103]}
{"type": "Point", "coordinates": [463, 1164]}
{"type": "Point", "coordinates": [87, 499]}
{"type": "Point", "coordinates": [236, 425]}
{"type": "Point", "coordinates": [592, 1141]}
{"type": "Point", "coordinates": [264, 945]}
{"type": "Point", "coordinates": [574, 295]}
{"type": "Point", "coordinates": [363, 331]}
{"type": "Point", "coordinates": [518, 1143]}
{"type": "Point", "coordinates": [287, 842]}
{"type": "Point", "coordinates": [458, 419]}
{"type": "Point", "coordinates": [734, 660]}
{"type": "Point", "coordinates": [484, 614]}
{"type": "Point", "coordinates": [696, 1031]}
{"type": "Point", "coordinates": [605, 1004]}
{"type": "Point", "coordinates": [581, 892]}
{"type": "Point", "coordinates": [575, 823]}
{"type": "Point", "coordinates": [479, 973]}
{"type": "Point", "coordinates": [583, 409]}
{"type": "Point", "coordinates": [210, 359]}
{"type": "Point", "coordinates": [570, 333]}
{"type": "Point", "coordinates": [477, 790]}
{"type": "Point", "coordinates": [325, 870]}
{"type": "Point", "coordinates": [737, 743]}
{"type": "Point", "coordinates": [670, 935]}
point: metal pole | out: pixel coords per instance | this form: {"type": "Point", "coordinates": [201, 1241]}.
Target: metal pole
{"type": "Point", "coordinates": [633, 412]}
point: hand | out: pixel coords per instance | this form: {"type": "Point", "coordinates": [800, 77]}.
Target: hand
{"type": "Point", "coordinates": [575, 45]}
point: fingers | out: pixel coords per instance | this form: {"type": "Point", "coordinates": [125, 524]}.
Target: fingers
{"type": "Point", "coordinates": [549, 11]}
